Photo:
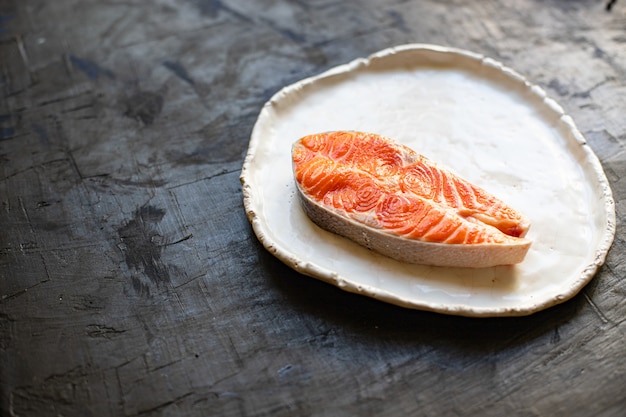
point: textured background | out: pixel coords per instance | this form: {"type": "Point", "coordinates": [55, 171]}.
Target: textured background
{"type": "Point", "coordinates": [131, 282]}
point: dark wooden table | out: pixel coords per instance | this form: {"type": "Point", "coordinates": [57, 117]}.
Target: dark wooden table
{"type": "Point", "coordinates": [131, 282]}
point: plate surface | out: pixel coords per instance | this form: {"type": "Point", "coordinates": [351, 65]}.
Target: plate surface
{"type": "Point", "coordinates": [469, 114]}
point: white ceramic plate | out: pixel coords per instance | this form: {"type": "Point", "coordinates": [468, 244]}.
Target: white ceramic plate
{"type": "Point", "coordinates": [471, 115]}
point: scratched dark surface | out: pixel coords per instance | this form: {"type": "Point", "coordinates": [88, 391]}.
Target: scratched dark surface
{"type": "Point", "coordinates": [131, 282]}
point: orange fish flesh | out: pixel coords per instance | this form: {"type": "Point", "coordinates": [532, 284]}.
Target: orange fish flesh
{"type": "Point", "coordinates": [388, 198]}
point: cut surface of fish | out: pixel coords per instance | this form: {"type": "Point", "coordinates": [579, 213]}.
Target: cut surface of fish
{"type": "Point", "coordinates": [390, 199]}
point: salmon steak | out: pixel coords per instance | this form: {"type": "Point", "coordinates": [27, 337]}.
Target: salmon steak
{"type": "Point", "coordinates": [390, 199]}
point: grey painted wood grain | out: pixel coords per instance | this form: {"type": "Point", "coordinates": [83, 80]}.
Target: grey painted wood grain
{"type": "Point", "coordinates": [131, 282]}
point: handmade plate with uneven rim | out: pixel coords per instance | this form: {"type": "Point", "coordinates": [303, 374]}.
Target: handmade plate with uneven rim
{"type": "Point", "coordinates": [467, 113]}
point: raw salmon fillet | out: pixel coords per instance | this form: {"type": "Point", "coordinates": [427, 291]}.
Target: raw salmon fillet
{"type": "Point", "coordinates": [388, 198]}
